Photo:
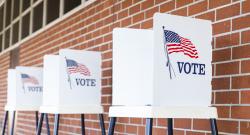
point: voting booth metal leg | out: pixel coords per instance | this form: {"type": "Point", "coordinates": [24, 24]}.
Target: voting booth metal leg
{"type": "Point", "coordinates": [13, 123]}
{"type": "Point", "coordinates": [149, 126]}
{"type": "Point", "coordinates": [112, 126]}
{"type": "Point", "coordinates": [170, 126]}
{"type": "Point", "coordinates": [40, 124]}
{"type": "Point", "coordinates": [82, 124]}
{"type": "Point", "coordinates": [102, 124]}
{"type": "Point", "coordinates": [47, 123]}
{"type": "Point", "coordinates": [56, 124]}
{"type": "Point", "coordinates": [36, 119]}
{"type": "Point", "coordinates": [5, 122]}
{"type": "Point", "coordinates": [214, 129]}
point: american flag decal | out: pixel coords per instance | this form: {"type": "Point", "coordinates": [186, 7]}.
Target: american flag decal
{"type": "Point", "coordinates": [74, 67]}
{"type": "Point", "coordinates": [174, 43]}
{"type": "Point", "coordinates": [29, 79]}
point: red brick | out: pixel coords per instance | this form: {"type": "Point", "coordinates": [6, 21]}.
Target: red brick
{"type": "Point", "coordinates": [181, 12]}
{"type": "Point", "coordinates": [240, 82]}
{"type": "Point", "coordinates": [151, 12]}
{"type": "Point", "coordinates": [227, 40]}
{"type": "Point", "coordinates": [245, 127]}
{"type": "Point", "coordinates": [167, 6]}
{"type": "Point", "coordinates": [120, 127]}
{"type": "Point", "coordinates": [227, 68]}
{"type": "Point", "coordinates": [159, 131]}
{"type": "Point", "coordinates": [162, 122]}
{"type": "Point", "coordinates": [180, 3]}
{"type": "Point", "coordinates": [228, 126]}
{"type": "Point", "coordinates": [246, 6]}
{"type": "Point", "coordinates": [126, 22]}
{"type": "Point", "coordinates": [240, 112]}
{"type": "Point", "coordinates": [138, 17]}
{"type": "Point", "coordinates": [147, 4]}
{"type": "Point", "coordinates": [131, 129]}
{"type": "Point", "coordinates": [141, 130]}
{"type": "Point", "coordinates": [179, 132]}
{"type": "Point", "coordinates": [207, 16]}
{"type": "Point", "coordinates": [182, 123]}
{"type": "Point", "coordinates": [195, 133]}
{"type": "Point", "coordinates": [136, 120]}
{"type": "Point", "coordinates": [197, 8]}
{"type": "Point", "coordinates": [147, 24]}
{"type": "Point", "coordinates": [245, 37]}
{"type": "Point", "coordinates": [223, 111]}
{"type": "Point", "coordinates": [241, 22]}
{"type": "Point", "coordinates": [245, 66]}
{"type": "Point", "coordinates": [159, 1]}
{"type": "Point", "coordinates": [241, 52]}
{"type": "Point", "coordinates": [245, 97]}
{"type": "Point", "coordinates": [227, 97]}
{"type": "Point", "coordinates": [228, 11]}
{"type": "Point", "coordinates": [220, 83]}
{"type": "Point", "coordinates": [217, 3]}
{"type": "Point", "coordinates": [201, 124]}
{"type": "Point", "coordinates": [221, 55]}
{"type": "Point", "coordinates": [122, 14]}
{"type": "Point", "coordinates": [135, 9]}
{"type": "Point", "coordinates": [221, 27]}
{"type": "Point", "coordinates": [126, 3]}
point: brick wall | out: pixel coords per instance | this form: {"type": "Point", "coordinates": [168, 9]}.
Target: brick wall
{"type": "Point", "coordinates": [91, 29]}
{"type": "Point", "coordinates": [4, 60]}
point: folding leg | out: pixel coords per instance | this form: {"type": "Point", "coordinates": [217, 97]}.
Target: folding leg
{"type": "Point", "coordinates": [149, 126]}
{"type": "Point", "coordinates": [56, 124]}
{"type": "Point", "coordinates": [102, 124]}
{"type": "Point", "coordinates": [36, 119]}
{"type": "Point", "coordinates": [213, 125]}
{"type": "Point", "coordinates": [40, 124]}
{"type": "Point", "coordinates": [170, 126]}
{"type": "Point", "coordinates": [5, 122]}
{"type": "Point", "coordinates": [47, 123]}
{"type": "Point", "coordinates": [13, 123]}
{"type": "Point", "coordinates": [82, 124]}
{"type": "Point", "coordinates": [112, 126]}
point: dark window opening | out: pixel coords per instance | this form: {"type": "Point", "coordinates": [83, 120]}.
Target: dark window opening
{"type": "Point", "coordinates": [16, 8]}
{"type": "Point", "coordinates": [53, 7]}
{"type": "Point", "coordinates": [1, 42]}
{"type": "Point", "coordinates": [70, 4]}
{"type": "Point", "coordinates": [26, 4]}
{"type": "Point", "coordinates": [8, 13]}
{"type": "Point", "coordinates": [34, 1]}
{"type": "Point", "coordinates": [1, 18]}
{"type": "Point", "coordinates": [15, 32]}
{"type": "Point", "coordinates": [38, 17]}
{"type": "Point", "coordinates": [7, 39]}
{"type": "Point", "coordinates": [25, 25]}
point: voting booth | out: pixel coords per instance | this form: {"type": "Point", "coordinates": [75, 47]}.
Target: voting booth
{"type": "Point", "coordinates": [72, 84]}
{"type": "Point", "coordinates": [163, 73]}
{"type": "Point", "coordinates": [25, 87]}
{"type": "Point", "coordinates": [24, 91]}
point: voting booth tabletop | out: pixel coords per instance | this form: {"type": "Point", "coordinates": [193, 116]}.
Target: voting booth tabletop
{"type": "Point", "coordinates": [14, 109]}
{"type": "Point", "coordinates": [150, 112]}
{"type": "Point", "coordinates": [58, 110]}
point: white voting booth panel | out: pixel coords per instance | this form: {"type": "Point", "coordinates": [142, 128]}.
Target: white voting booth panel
{"type": "Point", "coordinates": [72, 82]}
{"type": "Point", "coordinates": [25, 88]}
{"type": "Point", "coordinates": [132, 67]}
{"type": "Point", "coordinates": [168, 67]}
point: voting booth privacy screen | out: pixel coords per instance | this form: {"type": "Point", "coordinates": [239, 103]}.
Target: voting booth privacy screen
{"type": "Point", "coordinates": [25, 88]}
{"type": "Point", "coordinates": [167, 66]}
{"type": "Point", "coordinates": [72, 79]}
